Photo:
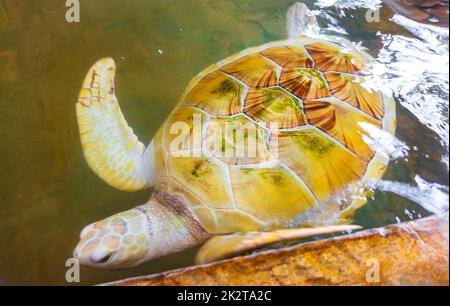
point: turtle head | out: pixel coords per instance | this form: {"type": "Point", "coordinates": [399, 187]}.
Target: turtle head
{"type": "Point", "coordinates": [116, 242]}
{"type": "Point", "coordinates": [139, 235]}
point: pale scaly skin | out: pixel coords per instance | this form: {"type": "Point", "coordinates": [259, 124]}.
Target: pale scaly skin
{"type": "Point", "coordinates": [140, 234]}
{"type": "Point", "coordinates": [309, 86]}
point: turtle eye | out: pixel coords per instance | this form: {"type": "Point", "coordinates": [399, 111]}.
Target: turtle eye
{"type": "Point", "coordinates": [104, 259]}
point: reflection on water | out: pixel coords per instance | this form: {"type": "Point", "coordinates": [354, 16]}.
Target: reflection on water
{"type": "Point", "coordinates": [48, 192]}
{"type": "Point", "coordinates": [432, 197]}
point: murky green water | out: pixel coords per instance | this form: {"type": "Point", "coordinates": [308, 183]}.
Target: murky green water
{"type": "Point", "coordinates": [48, 193]}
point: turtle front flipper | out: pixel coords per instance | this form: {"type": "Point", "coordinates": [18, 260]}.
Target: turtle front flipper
{"type": "Point", "coordinates": [110, 147]}
{"type": "Point", "coordinates": [226, 246]}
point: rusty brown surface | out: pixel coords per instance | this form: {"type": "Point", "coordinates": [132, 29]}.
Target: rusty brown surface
{"type": "Point", "coordinates": [422, 10]}
{"type": "Point", "coordinates": [414, 253]}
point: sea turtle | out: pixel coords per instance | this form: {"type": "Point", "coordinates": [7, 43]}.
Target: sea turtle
{"type": "Point", "coordinates": [259, 150]}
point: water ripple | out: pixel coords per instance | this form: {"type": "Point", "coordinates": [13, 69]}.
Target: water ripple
{"type": "Point", "coordinates": [416, 70]}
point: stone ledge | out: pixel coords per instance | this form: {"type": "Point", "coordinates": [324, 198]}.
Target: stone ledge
{"type": "Point", "coordinates": [413, 253]}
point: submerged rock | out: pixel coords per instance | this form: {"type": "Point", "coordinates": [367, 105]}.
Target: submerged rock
{"type": "Point", "coordinates": [429, 11]}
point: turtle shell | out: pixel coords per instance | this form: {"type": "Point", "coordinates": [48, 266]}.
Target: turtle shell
{"type": "Point", "coordinates": [303, 105]}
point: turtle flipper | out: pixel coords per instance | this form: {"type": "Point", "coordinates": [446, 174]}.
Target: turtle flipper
{"type": "Point", "coordinates": [110, 147]}
{"type": "Point", "coordinates": [221, 247]}
{"type": "Point", "coordinates": [301, 21]}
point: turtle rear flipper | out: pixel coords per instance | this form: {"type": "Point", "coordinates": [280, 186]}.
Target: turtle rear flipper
{"type": "Point", "coordinates": [301, 21]}
{"type": "Point", "coordinates": [221, 247]}
{"type": "Point", "coordinates": [110, 147]}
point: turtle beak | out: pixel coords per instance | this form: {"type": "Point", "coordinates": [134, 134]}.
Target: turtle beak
{"type": "Point", "coordinates": [81, 256]}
